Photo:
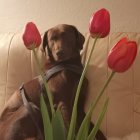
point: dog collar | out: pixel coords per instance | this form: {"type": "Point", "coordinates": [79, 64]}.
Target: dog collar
{"type": "Point", "coordinates": [73, 68]}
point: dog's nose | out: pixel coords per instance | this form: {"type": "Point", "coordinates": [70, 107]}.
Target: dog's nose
{"type": "Point", "coordinates": [59, 53]}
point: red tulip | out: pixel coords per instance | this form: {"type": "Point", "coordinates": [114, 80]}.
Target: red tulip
{"type": "Point", "coordinates": [122, 55]}
{"type": "Point", "coordinates": [100, 23]}
{"type": "Point", "coordinates": [31, 36]}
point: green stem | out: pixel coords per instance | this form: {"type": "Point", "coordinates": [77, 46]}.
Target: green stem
{"type": "Point", "coordinates": [93, 105]}
{"type": "Point", "coordinates": [44, 81]}
{"type": "Point", "coordinates": [74, 112]}
{"type": "Point", "coordinates": [99, 121]}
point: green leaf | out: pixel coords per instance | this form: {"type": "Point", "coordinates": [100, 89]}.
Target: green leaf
{"type": "Point", "coordinates": [99, 121]}
{"type": "Point", "coordinates": [92, 107]}
{"type": "Point", "coordinates": [46, 120]}
{"type": "Point", "coordinates": [71, 131]}
{"type": "Point", "coordinates": [59, 130]}
{"type": "Point", "coordinates": [84, 129]}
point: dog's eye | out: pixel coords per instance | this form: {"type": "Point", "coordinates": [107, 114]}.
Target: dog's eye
{"type": "Point", "coordinates": [62, 34]}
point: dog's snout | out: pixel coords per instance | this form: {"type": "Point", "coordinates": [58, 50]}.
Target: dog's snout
{"type": "Point", "coordinates": [59, 53]}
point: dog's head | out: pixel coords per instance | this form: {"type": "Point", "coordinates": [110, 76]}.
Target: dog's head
{"type": "Point", "coordinates": [62, 43]}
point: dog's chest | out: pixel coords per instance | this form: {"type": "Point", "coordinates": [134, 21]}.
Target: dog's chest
{"type": "Point", "coordinates": [63, 85]}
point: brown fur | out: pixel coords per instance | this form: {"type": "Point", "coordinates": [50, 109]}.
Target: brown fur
{"type": "Point", "coordinates": [61, 44]}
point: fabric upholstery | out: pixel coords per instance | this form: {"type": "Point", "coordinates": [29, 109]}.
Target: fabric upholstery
{"type": "Point", "coordinates": [17, 65]}
{"type": "Point", "coordinates": [123, 115]}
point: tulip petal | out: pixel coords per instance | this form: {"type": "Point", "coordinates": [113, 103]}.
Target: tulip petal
{"type": "Point", "coordinates": [31, 36]}
{"type": "Point", "coordinates": [115, 57]}
{"type": "Point", "coordinates": [122, 55]}
{"type": "Point", "coordinates": [100, 23]}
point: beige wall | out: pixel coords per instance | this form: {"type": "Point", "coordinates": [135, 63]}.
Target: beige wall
{"type": "Point", "coordinates": [125, 14]}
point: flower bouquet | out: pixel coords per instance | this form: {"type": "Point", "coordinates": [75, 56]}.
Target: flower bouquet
{"type": "Point", "coordinates": [119, 59]}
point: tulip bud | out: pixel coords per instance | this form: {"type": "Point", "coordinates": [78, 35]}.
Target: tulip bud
{"type": "Point", "coordinates": [31, 36]}
{"type": "Point", "coordinates": [100, 24]}
{"type": "Point", "coordinates": [122, 55]}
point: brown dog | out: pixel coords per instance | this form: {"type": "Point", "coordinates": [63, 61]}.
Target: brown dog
{"type": "Point", "coordinates": [21, 118]}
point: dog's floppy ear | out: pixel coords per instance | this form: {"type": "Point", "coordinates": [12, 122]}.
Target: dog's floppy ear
{"type": "Point", "coordinates": [45, 41]}
{"type": "Point", "coordinates": [80, 38]}
{"type": "Point", "coordinates": [45, 45]}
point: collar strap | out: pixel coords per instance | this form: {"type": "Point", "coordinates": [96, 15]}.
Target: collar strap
{"type": "Point", "coordinates": [73, 68]}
